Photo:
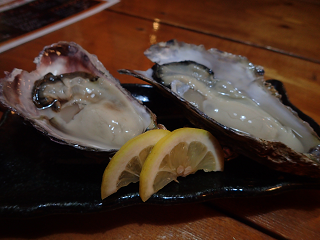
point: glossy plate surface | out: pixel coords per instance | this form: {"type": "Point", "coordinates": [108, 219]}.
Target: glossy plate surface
{"type": "Point", "coordinates": [40, 177]}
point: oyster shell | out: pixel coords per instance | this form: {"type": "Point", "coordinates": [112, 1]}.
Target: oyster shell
{"type": "Point", "coordinates": [227, 95]}
{"type": "Point", "coordinates": [73, 99]}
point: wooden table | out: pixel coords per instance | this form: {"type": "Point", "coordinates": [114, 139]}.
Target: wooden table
{"type": "Point", "coordinates": [283, 36]}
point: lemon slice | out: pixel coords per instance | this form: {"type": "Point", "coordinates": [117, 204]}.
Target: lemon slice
{"type": "Point", "coordinates": [125, 166]}
{"type": "Point", "coordinates": [180, 153]}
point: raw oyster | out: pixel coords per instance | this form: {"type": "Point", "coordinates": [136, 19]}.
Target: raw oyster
{"type": "Point", "coordinates": [73, 99]}
{"type": "Point", "coordinates": [227, 95]}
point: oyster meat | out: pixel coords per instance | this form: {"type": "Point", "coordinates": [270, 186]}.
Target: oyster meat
{"type": "Point", "coordinates": [227, 95]}
{"type": "Point", "coordinates": [74, 100]}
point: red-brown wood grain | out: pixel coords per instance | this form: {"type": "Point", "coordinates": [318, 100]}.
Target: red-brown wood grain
{"type": "Point", "coordinates": [292, 215]}
{"type": "Point", "coordinates": [190, 221]}
{"type": "Point", "coordinates": [283, 26]}
{"type": "Point", "coordinates": [121, 45]}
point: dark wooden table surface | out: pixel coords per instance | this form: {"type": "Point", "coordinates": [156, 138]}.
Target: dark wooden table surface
{"type": "Point", "coordinates": [282, 36]}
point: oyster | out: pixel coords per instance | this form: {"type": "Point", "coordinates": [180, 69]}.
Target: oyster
{"type": "Point", "coordinates": [73, 99]}
{"type": "Point", "coordinates": [227, 95]}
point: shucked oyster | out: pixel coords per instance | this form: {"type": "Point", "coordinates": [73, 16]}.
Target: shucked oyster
{"type": "Point", "coordinates": [72, 98]}
{"type": "Point", "coordinates": [228, 96]}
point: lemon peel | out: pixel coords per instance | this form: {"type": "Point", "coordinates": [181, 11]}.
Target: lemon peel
{"type": "Point", "coordinates": [125, 166]}
{"type": "Point", "coordinates": [180, 153]}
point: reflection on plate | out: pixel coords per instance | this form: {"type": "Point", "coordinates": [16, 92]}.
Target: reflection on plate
{"type": "Point", "coordinates": [40, 177]}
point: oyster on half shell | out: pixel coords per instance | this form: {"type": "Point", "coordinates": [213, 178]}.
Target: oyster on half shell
{"type": "Point", "coordinates": [74, 100]}
{"type": "Point", "coordinates": [227, 95]}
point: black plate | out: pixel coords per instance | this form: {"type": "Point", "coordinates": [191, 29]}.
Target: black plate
{"type": "Point", "coordinates": [40, 177]}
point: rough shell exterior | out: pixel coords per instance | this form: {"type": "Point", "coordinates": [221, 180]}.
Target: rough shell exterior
{"type": "Point", "coordinates": [275, 155]}
{"type": "Point", "coordinates": [58, 58]}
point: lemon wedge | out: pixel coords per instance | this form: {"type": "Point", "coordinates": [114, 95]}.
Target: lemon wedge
{"type": "Point", "coordinates": [125, 166]}
{"type": "Point", "coordinates": [180, 153]}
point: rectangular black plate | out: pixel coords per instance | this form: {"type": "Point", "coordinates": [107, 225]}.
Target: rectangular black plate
{"type": "Point", "coordinates": [40, 177]}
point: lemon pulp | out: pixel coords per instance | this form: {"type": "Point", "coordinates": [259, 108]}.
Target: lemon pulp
{"type": "Point", "coordinates": [125, 166]}
{"type": "Point", "coordinates": [180, 153]}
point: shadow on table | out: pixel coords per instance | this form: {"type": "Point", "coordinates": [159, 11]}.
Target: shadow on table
{"type": "Point", "coordinates": [96, 223]}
